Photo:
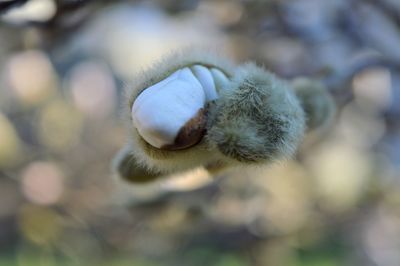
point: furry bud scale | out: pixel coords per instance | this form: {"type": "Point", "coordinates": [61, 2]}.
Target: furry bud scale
{"type": "Point", "coordinates": [259, 119]}
{"type": "Point", "coordinates": [318, 104]}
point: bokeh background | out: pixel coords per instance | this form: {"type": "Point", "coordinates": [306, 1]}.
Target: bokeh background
{"type": "Point", "coordinates": [63, 65]}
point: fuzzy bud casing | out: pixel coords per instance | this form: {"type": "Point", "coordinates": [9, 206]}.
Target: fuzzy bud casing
{"type": "Point", "coordinates": [318, 104]}
{"type": "Point", "coordinates": [259, 119]}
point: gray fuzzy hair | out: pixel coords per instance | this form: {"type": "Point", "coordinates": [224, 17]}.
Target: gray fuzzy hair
{"type": "Point", "coordinates": [318, 104]}
{"type": "Point", "coordinates": [259, 119]}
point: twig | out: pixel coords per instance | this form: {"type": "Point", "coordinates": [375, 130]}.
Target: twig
{"type": "Point", "coordinates": [337, 80]}
{"type": "Point", "coordinates": [6, 6]}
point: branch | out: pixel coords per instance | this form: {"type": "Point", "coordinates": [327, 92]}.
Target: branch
{"type": "Point", "coordinates": [6, 6]}
{"type": "Point", "coordinates": [338, 80]}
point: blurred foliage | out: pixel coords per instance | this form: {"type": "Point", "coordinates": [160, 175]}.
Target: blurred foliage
{"type": "Point", "coordinates": [63, 65]}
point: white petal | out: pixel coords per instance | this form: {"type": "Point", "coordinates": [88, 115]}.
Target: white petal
{"type": "Point", "coordinates": [161, 110]}
{"type": "Point", "coordinates": [206, 79]}
{"type": "Point", "coordinates": [147, 94]}
{"type": "Point", "coordinates": [220, 79]}
{"type": "Point", "coordinates": [187, 74]}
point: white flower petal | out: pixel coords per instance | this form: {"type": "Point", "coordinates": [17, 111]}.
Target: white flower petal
{"type": "Point", "coordinates": [220, 78]}
{"type": "Point", "coordinates": [206, 79]}
{"type": "Point", "coordinates": [161, 110]}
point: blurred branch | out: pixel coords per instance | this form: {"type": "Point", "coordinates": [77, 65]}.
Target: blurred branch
{"type": "Point", "coordinates": [336, 81]}
{"type": "Point", "coordinates": [64, 9]}
{"type": "Point", "coordinates": [6, 6]}
{"type": "Point", "coordinates": [387, 8]}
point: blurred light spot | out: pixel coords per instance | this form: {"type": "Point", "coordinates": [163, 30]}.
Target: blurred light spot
{"type": "Point", "coordinates": [373, 88]}
{"type": "Point", "coordinates": [287, 206]}
{"type": "Point", "coordinates": [9, 143]}
{"type": "Point", "coordinates": [382, 237]}
{"type": "Point", "coordinates": [240, 202]}
{"type": "Point", "coordinates": [40, 225]}
{"type": "Point", "coordinates": [59, 125]}
{"type": "Point", "coordinates": [126, 54]}
{"type": "Point", "coordinates": [136, 37]}
{"type": "Point", "coordinates": [32, 11]}
{"type": "Point", "coordinates": [360, 128]}
{"type": "Point", "coordinates": [187, 181]}
{"type": "Point", "coordinates": [93, 88]}
{"type": "Point", "coordinates": [42, 183]}
{"type": "Point", "coordinates": [230, 210]}
{"type": "Point", "coordinates": [267, 200]}
{"type": "Point", "coordinates": [341, 174]}
{"type": "Point", "coordinates": [31, 77]}
{"type": "Point", "coordinates": [171, 218]}
{"type": "Point", "coordinates": [226, 12]}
